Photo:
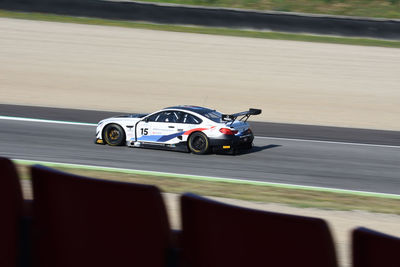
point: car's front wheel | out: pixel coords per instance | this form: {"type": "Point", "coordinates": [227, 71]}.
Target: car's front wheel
{"type": "Point", "coordinates": [198, 143]}
{"type": "Point", "coordinates": [114, 135]}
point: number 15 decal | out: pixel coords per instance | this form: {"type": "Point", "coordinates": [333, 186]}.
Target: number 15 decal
{"type": "Point", "coordinates": [145, 131]}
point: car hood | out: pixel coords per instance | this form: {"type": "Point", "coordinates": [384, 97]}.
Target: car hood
{"type": "Point", "coordinates": [131, 116]}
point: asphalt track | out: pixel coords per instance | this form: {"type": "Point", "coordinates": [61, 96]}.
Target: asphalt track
{"type": "Point", "coordinates": [364, 167]}
{"type": "Point", "coordinates": [279, 130]}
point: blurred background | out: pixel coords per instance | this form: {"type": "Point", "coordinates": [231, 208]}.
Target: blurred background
{"type": "Point", "coordinates": [324, 72]}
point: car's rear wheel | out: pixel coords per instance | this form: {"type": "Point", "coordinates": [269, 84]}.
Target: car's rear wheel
{"type": "Point", "coordinates": [198, 143]}
{"type": "Point", "coordinates": [114, 135]}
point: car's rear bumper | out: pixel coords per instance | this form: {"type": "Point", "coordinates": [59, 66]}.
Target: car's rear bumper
{"type": "Point", "coordinates": [228, 142]}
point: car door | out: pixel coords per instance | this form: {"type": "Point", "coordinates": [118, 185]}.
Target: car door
{"type": "Point", "coordinates": [173, 125]}
{"type": "Point", "coordinates": [144, 128]}
{"type": "Point", "coordinates": [167, 127]}
{"type": "Point", "coordinates": [158, 127]}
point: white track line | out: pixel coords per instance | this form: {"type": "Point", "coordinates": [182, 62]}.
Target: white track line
{"type": "Point", "coordinates": [46, 121]}
{"type": "Point", "coordinates": [325, 142]}
{"type": "Point", "coordinates": [258, 137]}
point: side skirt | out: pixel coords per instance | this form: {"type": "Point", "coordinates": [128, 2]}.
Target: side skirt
{"type": "Point", "coordinates": [174, 147]}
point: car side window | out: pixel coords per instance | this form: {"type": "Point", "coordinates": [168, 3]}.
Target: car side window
{"type": "Point", "coordinates": [189, 119]}
{"type": "Point", "coordinates": [164, 116]}
{"type": "Point", "coordinates": [174, 117]}
{"type": "Point", "coordinates": [154, 117]}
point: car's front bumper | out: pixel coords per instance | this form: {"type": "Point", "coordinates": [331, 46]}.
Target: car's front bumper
{"type": "Point", "coordinates": [99, 141]}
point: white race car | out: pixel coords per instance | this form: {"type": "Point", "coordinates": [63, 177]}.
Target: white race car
{"type": "Point", "coordinates": [184, 128]}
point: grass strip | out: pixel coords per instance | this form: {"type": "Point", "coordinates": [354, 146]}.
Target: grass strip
{"type": "Point", "coordinates": [360, 8]}
{"type": "Point", "coordinates": [257, 193]}
{"type": "Point", "coordinates": [202, 30]}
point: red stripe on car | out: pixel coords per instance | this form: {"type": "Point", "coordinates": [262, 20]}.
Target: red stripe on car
{"type": "Point", "coordinates": [194, 130]}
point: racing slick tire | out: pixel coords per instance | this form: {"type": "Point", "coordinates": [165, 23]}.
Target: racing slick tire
{"type": "Point", "coordinates": [198, 143]}
{"type": "Point", "coordinates": [114, 135]}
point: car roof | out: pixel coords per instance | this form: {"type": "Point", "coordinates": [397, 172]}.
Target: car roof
{"type": "Point", "coordinates": [195, 109]}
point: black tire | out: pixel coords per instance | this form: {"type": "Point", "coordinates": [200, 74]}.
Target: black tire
{"type": "Point", "coordinates": [114, 135]}
{"type": "Point", "coordinates": [198, 143]}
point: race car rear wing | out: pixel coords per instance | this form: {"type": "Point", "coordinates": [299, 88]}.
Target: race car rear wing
{"type": "Point", "coordinates": [245, 115]}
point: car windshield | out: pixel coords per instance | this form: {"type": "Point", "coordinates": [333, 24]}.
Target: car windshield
{"type": "Point", "coordinates": [213, 115]}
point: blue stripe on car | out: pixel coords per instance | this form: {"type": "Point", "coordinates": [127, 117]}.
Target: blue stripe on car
{"type": "Point", "coordinates": [166, 138]}
{"type": "Point", "coordinates": [159, 138]}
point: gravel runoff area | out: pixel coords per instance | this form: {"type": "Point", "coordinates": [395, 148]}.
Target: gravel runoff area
{"type": "Point", "coordinates": [340, 222]}
{"type": "Point", "coordinates": [111, 68]}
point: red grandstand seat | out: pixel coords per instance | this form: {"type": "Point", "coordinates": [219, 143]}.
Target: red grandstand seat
{"type": "Point", "coordinates": [89, 222]}
{"type": "Point", "coordinates": [218, 234]}
{"type": "Point", "coordinates": [11, 204]}
{"type": "Point", "coordinates": [374, 249]}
